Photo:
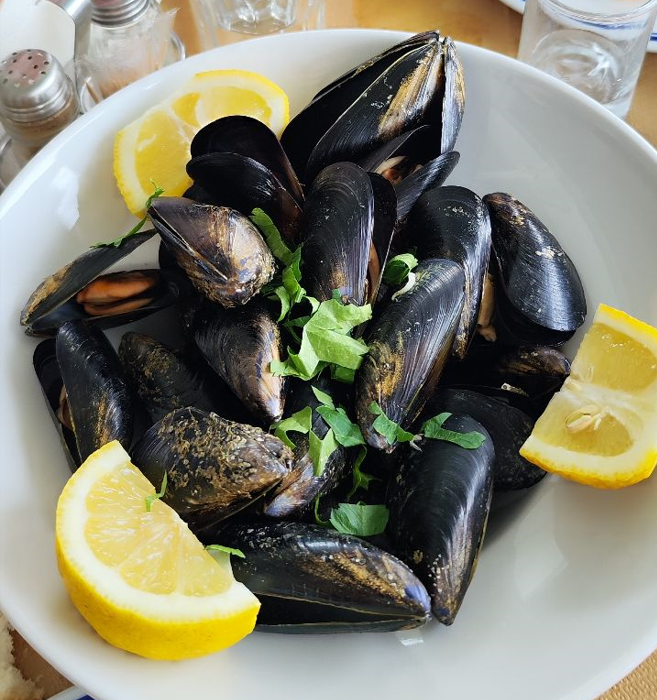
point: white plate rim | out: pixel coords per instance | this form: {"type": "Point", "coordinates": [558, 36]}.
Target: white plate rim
{"type": "Point", "coordinates": [644, 646]}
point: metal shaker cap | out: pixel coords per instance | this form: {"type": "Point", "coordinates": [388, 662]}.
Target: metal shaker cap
{"type": "Point", "coordinates": [33, 86]}
{"type": "Point", "coordinates": [115, 13]}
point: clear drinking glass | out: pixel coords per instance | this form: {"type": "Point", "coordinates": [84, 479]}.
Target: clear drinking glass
{"type": "Point", "coordinates": [598, 46]}
{"type": "Point", "coordinates": [225, 21]}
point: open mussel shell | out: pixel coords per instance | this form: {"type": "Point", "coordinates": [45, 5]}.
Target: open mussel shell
{"type": "Point", "coordinates": [409, 344]}
{"type": "Point", "coordinates": [306, 129]}
{"type": "Point", "coordinates": [431, 175]}
{"type": "Point", "coordinates": [79, 290]}
{"type": "Point", "coordinates": [47, 370]}
{"type": "Point", "coordinates": [242, 183]}
{"type": "Point", "coordinates": [346, 230]}
{"type": "Point", "coordinates": [392, 93]}
{"type": "Point", "coordinates": [538, 371]}
{"type": "Point", "coordinates": [439, 500]}
{"type": "Point", "coordinates": [302, 485]}
{"type": "Point", "coordinates": [509, 425]}
{"type": "Point", "coordinates": [313, 580]}
{"type": "Point", "coordinates": [165, 380]}
{"type": "Point", "coordinates": [214, 467]}
{"type": "Point", "coordinates": [252, 138]}
{"type": "Point", "coordinates": [453, 223]}
{"type": "Point", "coordinates": [98, 399]}
{"type": "Point", "coordinates": [219, 249]}
{"type": "Point", "coordinates": [539, 297]}
{"type": "Point", "coordinates": [240, 345]}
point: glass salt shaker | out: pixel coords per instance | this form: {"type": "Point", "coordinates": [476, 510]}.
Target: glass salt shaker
{"type": "Point", "coordinates": [128, 39]}
{"type": "Point", "coordinates": [37, 101]}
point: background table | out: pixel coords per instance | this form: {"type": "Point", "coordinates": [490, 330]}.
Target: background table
{"type": "Point", "coordinates": [486, 23]}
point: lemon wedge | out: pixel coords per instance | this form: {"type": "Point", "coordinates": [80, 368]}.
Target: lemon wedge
{"type": "Point", "coordinates": [601, 427]}
{"type": "Point", "coordinates": [155, 147]}
{"type": "Point", "coordinates": [140, 577]}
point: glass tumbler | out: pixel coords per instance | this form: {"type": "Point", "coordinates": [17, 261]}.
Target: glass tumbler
{"type": "Point", "coordinates": [597, 46]}
{"type": "Point", "coordinates": [225, 21]}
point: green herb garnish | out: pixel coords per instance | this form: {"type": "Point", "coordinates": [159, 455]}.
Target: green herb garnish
{"type": "Point", "coordinates": [285, 287]}
{"type": "Point", "coordinates": [360, 519]}
{"type": "Point", "coordinates": [397, 269]}
{"type": "Point", "coordinates": [226, 550]}
{"type": "Point", "coordinates": [156, 496]}
{"type": "Point", "coordinates": [347, 433]}
{"type": "Point", "coordinates": [272, 236]}
{"type": "Point", "coordinates": [321, 449]}
{"type": "Point", "coordinates": [326, 340]}
{"type": "Point", "coordinates": [361, 480]}
{"type": "Point", "coordinates": [390, 430]}
{"type": "Point", "coordinates": [318, 519]}
{"type": "Point", "coordinates": [299, 422]}
{"type": "Point", "coordinates": [433, 430]}
{"type": "Point", "coordinates": [116, 243]}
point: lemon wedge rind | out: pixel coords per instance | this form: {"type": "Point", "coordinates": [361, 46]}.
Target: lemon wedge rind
{"type": "Point", "coordinates": [600, 429]}
{"type": "Point", "coordinates": [175, 624]}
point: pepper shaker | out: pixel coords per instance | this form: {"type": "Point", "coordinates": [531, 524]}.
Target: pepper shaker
{"type": "Point", "coordinates": [37, 101]}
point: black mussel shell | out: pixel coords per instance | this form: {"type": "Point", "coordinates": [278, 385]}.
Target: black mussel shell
{"type": "Point", "coordinates": [409, 345]}
{"type": "Point", "coordinates": [305, 130]}
{"type": "Point", "coordinates": [439, 502]}
{"type": "Point", "coordinates": [47, 370]}
{"type": "Point", "coordinates": [98, 397]}
{"type": "Point", "coordinates": [302, 485]}
{"type": "Point", "coordinates": [313, 580]}
{"type": "Point", "coordinates": [348, 216]}
{"type": "Point", "coordinates": [54, 302]}
{"type": "Point", "coordinates": [164, 379]}
{"type": "Point", "coordinates": [453, 223]}
{"type": "Point", "coordinates": [394, 158]}
{"type": "Point", "coordinates": [220, 250]}
{"type": "Point", "coordinates": [214, 467]}
{"type": "Point", "coordinates": [539, 297]}
{"type": "Point", "coordinates": [240, 345]}
{"type": "Point", "coordinates": [506, 421]}
{"type": "Point", "coordinates": [539, 371]}
{"type": "Point", "coordinates": [385, 221]}
{"type": "Point", "coordinates": [251, 138]}
{"type": "Point", "coordinates": [399, 99]}
{"type": "Point", "coordinates": [432, 174]}
{"type": "Point", "coordinates": [242, 183]}
{"type": "Point", "coordinates": [454, 97]}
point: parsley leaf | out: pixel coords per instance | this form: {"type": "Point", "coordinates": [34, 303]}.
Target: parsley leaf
{"type": "Point", "coordinates": [360, 519]}
{"type": "Point", "coordinates": [390, 430]}
{"type": "Point", "coordinates": [325, 339]}
{"type": "Point", "coordinates": [272, 236]}
{"type": "Point", "coordinates": [323, 397]}
{"type": "Point", "coordinates": [342, 374]}
{"type": "Point", "coordinates": [318, 518]}
{"type": "Point", "coordinates": [397, 268]}
{"type": "Point", "coordinates": [226, 550]}
{"type": "Point", "coordinates": [321, 449]}
{"type": "Point", "coordinates": [156, 496]}
{"type": "Point", "coordinates": [361, 479]}
{"type": "Point", "coordinates": [299, 422]}
{"type": "Point", "coordinates": [433, 430]}
{"type": "Point", "coordinates": [116, 243]}
{"type": "Point", "coordinates": [346, 432]}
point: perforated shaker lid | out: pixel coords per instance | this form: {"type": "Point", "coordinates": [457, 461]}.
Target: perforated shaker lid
{"type": "Point", "coordinates": [33, 85]}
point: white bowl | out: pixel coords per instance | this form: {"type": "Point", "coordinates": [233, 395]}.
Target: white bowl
{"type": "Point", "coordinates": [563, 602]}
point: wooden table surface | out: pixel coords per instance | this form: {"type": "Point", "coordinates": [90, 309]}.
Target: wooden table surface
{"type": "Point", "coordinates": [486, 23]}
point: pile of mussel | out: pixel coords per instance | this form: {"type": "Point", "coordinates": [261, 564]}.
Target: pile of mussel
{"type": "Point", "coordinates": [356, 179]}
